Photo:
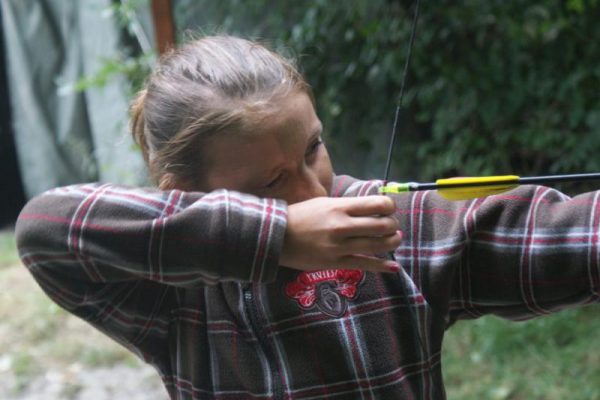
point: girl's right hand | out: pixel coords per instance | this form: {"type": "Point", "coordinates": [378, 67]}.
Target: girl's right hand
{"type": "Point", "coordinates": [342, 233]}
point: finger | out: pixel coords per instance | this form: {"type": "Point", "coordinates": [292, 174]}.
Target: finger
{"type": "Point", "coordinates": [369, 263]}
{"type": "Point", "coordinates": [372, 226]}
{"type": "Point", "coordinates": [373, 245]}
{"type": "Point", "coordinates": [370, 205]}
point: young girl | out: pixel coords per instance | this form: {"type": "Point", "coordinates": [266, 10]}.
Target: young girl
{"type": "Point", "coordinates": [239, 278]}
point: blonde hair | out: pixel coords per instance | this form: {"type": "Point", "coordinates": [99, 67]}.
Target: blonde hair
{"type": "Point", "coordinates": [213, 85]}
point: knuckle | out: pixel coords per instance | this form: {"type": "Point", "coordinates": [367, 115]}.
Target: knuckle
{"type": "Point", "coordinates": [337, 228]}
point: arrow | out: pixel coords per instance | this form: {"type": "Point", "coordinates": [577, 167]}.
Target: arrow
{"type": "Point", "coordinates": [474, 187]}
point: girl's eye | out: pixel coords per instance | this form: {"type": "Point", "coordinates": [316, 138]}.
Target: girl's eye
{"type": "Point", "coordinates": [274, 182]}
{"type": "Point", "coordinates": [314, 147]}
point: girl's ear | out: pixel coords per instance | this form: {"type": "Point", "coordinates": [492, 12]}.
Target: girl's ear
{"type": "Point", "coordinates": [169, 181]}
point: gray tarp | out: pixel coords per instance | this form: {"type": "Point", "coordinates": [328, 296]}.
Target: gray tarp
{"type": "Point", "coordinates": [63, 136]}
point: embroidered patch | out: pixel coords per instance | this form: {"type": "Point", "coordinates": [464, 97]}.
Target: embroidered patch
{"type": "Point", "coordinates": [329, 290]}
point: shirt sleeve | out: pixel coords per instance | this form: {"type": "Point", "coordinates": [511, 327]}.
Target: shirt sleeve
{"type": "Point", "coordinates": [528, 252]}
{"type": "Point", "coordinates": [106, 233]}
{"type": "Point", "coordinates": [117, 256]}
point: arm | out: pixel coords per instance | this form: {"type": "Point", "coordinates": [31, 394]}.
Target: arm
{"type": "Point", "coordinates": [527, 252]}
{"type": "Point", "coordinates": [113, 234]}
{"type": "Point", "coordinates": [116, 256]}
{"type": "Point", "coordinates": [524, 253]}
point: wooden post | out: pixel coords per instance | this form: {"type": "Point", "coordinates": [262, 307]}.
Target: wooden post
{"type": "Point", "coordinates": [164, 26]}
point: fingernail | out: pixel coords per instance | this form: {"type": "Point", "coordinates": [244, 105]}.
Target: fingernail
{"type": "Point", "coordinates": [392, 266]}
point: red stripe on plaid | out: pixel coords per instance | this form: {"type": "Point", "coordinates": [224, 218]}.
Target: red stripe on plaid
{"type": "Point", "coordinates": [341, 185]}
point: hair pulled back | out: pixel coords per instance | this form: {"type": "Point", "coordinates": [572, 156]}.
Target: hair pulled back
{"type": "Point", "coordinates": [213, 85]}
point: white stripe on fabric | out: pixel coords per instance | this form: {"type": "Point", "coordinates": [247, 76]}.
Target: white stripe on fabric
{"type": "Point", "coordinates": [137, 204]}
{"type": "Point", "coordinates": [268, 241]}
{"type": "Point", "coordinates": [423, 328]}
{"type": "Point", "coordinates": [464, 267]}
{"type": "Point", "coordinates": [203, 277]}
{"type": "Point", "coordinates": [530, 224]}
{"type": "Point", "coordinates": [212, 351]}
{"type": "Point", "coordinates": [80, 238]}
{"type": "Point", "coordinates": [259, 240]}
{"type": "Point", "coordinates": [279, 348]}
{"type": "Point", "coordinates": [524, 250]}
{"type": "Point", "coordinates": [358, 335]}
{"type": "Point", "coordinates": [261, 354]}
{"type": "Point", "coordinates": [247, 204]}
{"type": "Point", "coordinates": [349, 353]}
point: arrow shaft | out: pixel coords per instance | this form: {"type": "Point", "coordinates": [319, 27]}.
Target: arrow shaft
{"type": "Point", "coordinates": [559, 178]}
{"type": "Point", "coordinates": [414, 186]}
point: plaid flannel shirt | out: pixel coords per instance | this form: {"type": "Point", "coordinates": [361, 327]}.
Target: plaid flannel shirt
{"type": "Point", "coordinates": [190, 282]}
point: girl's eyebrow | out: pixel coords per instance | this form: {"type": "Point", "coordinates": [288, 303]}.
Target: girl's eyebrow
{"type": "Point", "coordinates": [316, 132]}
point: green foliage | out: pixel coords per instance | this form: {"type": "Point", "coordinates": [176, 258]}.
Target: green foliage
{"type": "Point", "coordinates": [494, 86]}
{"type": "Point", "coordinates": [509, 86]}
{"type": "Point", "coordinates": [133, 67]}
{"type": "Point", "coordinates": [550, 358]}
{"type": "Point", "coordinates": [135, 60]}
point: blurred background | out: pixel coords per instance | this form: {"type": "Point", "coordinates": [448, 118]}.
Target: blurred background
{"type": "Point", "coordinates": [494, 87]}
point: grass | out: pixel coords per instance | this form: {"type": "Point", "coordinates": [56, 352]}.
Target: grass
{"type": "Point", "coordinates": [8, 253]}
{"type": "Point", "coordinates": [550, 358]}
{"type": "Point", "coordinates": [37, 336]}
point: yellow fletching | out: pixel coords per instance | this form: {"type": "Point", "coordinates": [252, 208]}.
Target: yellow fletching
{"type": "Point", "coordinates": [473, 193]}
{"type": "Point", "coordinates": [452, 189]}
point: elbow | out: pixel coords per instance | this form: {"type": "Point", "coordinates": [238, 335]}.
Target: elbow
{"type": "Point", "coordinates": [26, 231]}
{"type": "Point", "coordinates": [35, 230]}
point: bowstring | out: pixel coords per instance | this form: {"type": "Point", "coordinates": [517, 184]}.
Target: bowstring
{"type": "Point", "coordinates": [405, 291]}
{"type": "Point", "coordinates": [401, 95]}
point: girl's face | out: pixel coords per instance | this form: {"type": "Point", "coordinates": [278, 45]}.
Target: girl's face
{"type": "Point", "coordinates": [286, 160]}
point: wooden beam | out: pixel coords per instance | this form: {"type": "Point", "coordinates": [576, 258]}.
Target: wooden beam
{"type": "Point", "coordinates": [164, 26]}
